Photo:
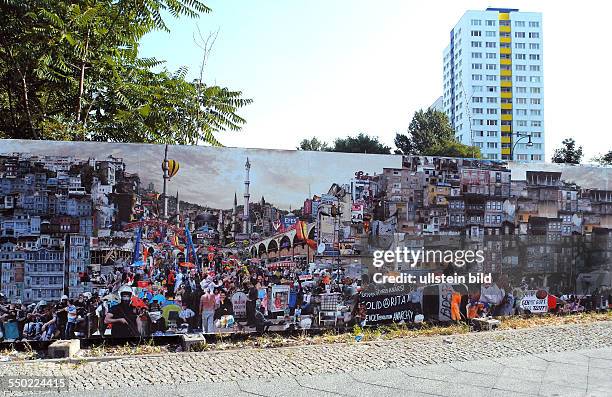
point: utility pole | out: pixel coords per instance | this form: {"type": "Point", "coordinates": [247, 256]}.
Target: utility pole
{"type": "Point", "coordinates": [166, 177]}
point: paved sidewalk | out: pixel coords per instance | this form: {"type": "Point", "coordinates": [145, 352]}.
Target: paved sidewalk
{"type": "Point", "coordinates": [575, 373]}
{"type": "Point", "coordinates": [567, 360]}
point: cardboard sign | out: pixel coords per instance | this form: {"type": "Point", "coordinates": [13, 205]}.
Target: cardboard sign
{"type": "Point", "coordinates": [239, 300]}
{"type": "Point", "coordinates": [531, 302]}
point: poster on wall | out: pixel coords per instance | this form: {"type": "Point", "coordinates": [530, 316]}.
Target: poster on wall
{"type": "Point", "coordinates": [279, 298]}
{"type": "Point", "coordinates": [357, 213]}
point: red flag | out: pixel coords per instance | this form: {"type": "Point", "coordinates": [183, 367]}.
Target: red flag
{"type": "Point", "coordinates": [311, 243]}
{"type": "Point", "coordinates": [301, 229]}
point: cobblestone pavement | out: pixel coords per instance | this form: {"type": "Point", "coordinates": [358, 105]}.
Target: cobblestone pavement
{"type": "Point", "coordinates": [223, 371]}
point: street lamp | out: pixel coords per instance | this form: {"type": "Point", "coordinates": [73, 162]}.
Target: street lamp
{"type": "Point", "coordinates": [521, 136]}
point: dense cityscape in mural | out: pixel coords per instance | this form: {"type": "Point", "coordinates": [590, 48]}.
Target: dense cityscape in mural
{"type": "Point", "coordinates": [66, 220]}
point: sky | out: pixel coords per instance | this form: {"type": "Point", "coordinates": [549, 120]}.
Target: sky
{"type": "Point", "coordinates": [210, 176]}
{"type": "Point", "coordinates": [335, 68]}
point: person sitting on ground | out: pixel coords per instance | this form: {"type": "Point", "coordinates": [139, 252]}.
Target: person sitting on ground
{"type": "Point", "coordinates": [225, 311]}
{"type": "Point", "coordinates": [261, 323]}
{"type": "Point", "coordinates": [186, 316]}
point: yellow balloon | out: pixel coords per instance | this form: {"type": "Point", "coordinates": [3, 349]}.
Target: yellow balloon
{"type": "Point", "coordinates": [173, 167]}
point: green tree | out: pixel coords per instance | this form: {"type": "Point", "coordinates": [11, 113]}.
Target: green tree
{"type": "Point", "coordinates": [362, 143]}
{"type": "Point", "coordinates": [568, 153]}
{"type": "Point", "coordinates": [313, 144]}
{"type": "Point", "coordinates": [604, 159]}
{"type": "Point", "coordinates": [452, 148]}
{"type": "Point", "coordinates": [71, 70]}
{"type": "Point", "coordinates": [430, 134]}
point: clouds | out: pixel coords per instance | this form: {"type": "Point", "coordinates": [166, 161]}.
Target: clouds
{"type": "Point", "coordinates": [210, 176]}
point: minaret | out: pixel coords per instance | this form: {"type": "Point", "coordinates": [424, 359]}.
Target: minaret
{"type": "Point", "coordinates": [235, 217]}
{"type": "Point", "coordinates": [246, 227]}
{"type": "Point", "coordinates": [220, 228]}
{"type": "Point", "coordinates": [178, 211]}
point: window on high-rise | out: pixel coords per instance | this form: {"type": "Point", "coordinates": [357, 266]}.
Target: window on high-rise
{"type": "Point", "coordinates": [477, 55]}
{"type": "Point", "coordinates": [520, 67]}
{"type": "Point", "coordinates": [535, 90]}
{"type": "Point", "coordinates": [521, 123]}
{"type": "Point", "coordinates": [476, 44]}
{"type": "Point", "coordinates": [491, 122]}
{"type": "Point", "coordinates": [534, 68]}
{"type": "Point", "coordinates": [477, 99]}
{"type": "Point", "coordinates": [491, 145]}
{"type": "Point", "coordinates": [535, 101]}
{"type": "Point", "coordinates": [534, 24]}
{"type": "Point", "coordinates": [519, 35]}
{"type": "Point", "coordinates": [521, 101]}
{"type": "Point", "coordinates": [504, 23]}
{"type": "Point", "coordinates": [491, 111]}
{"type": "Point", "coordinates": [536, 135]}
{"type": "Point", "coordinates": [476, 33]}
{"type": "Point", "coordinates": [534, 57]}
{"type": "Point", "coordinates": [492, 133]}
{"type": "Point", "coordinates": [536, 157]}
{"type": "Point", "coordinates": [490, 33]}
{"type": "Point", "coordinates": [534, 35]}
{"type": "Point", "coordinates": [534, 46]}
{"type": "Point", "coordinates": [534, 79]}
{"type": "Point", "coordinates": [521, 78]}
{"type": "Point", "coordinates": [519, 46]}
{"type": "Point", "coordinates": [476, 77]}
{"type": "Point", "coordinates": [520, 56]}
{"type": "Point", "coordinates": [536, 123]}
{"type": "Point", "coordinates": [476, 22]}
{"type": "Point", "coordinates": [491, 77]}
{"type": "Point", "coordinates": [477, 66]}
{"type": "Point", "coordinates": [491, 66]}
{"type": "Point", "coordinates": [491, 55]}
{"type": "Point", "coordinates": [477, 111]}
{"type": "Point", "coordinates": [491, 44]}
{"type": "Point", "coordinates": [490, 22]}
{"type": "Point", "coordinates": [491, 89]}
{"type": "Point", "coordinates": [536, 112]}
{"type": "Point", "coordinates": [519, 24]}
{"type": "Point", "coordinates": [521, 112]}
{"type": "Point", "coordinates": [521, 90]}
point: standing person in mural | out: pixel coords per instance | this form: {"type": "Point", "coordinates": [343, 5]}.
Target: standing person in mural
{"type": "Point", "coordinates": [122, 317]}
{"type": "Point", "coordinates": [61, 312]}
{"type": "Point", "coordinates": [252, 296]}
{"type": "Point", "coordinates": [101, 311]}
{"type": "Point", "coordinates": [207, 308]}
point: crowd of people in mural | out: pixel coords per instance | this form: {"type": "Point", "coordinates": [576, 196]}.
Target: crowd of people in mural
{"type": "Point", "coordinates": [228, 294]}
{"type": "Point", "coordinates": [223, 295]}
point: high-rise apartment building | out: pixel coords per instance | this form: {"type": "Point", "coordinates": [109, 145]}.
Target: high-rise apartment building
{"type": "Point", "coordinates": [493, 83]}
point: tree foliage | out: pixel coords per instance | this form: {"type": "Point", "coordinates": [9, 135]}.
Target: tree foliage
{"type": "Point", "coordinates": [568, 153]}
{"type": "Point", "coordinates": [362, 143]}
{"type": "Point", "coordinates": [71, 70]}
{"type": "Point", "coordinates": [604, 159]}
{"type": "Point", "coordinates": [430, 134]}
{"type": "Point", "coordinates": [313, 144]}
